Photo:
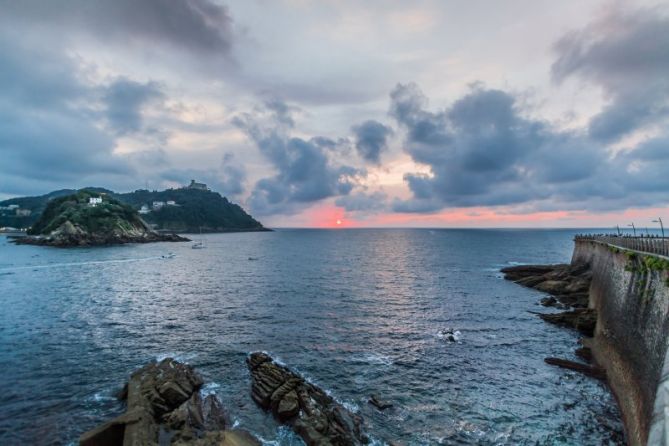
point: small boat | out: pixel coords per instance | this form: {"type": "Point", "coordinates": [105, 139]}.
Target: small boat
{"type": "Point", "coordinates": [200, 243]}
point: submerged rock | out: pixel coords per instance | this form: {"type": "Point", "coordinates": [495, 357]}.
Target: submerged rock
{"type": "Point", "coordinates": [313, 415]}
{"type": "Point", "coordinates": [379, 403]}
{"type": "Point", "coordinates": [164, 406]}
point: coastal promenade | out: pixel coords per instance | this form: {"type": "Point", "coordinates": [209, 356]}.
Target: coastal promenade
{"type": "Point", "coordinates": [644, 244]}
{"type": "Point", "coordinates": [630, 292]}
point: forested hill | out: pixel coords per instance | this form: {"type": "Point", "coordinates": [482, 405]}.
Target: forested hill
{"type": "Point", "coordinates": [189, 210]}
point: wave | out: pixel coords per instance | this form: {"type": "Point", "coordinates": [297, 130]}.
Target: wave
{"type": "Point", "coordinates": [92, 262]}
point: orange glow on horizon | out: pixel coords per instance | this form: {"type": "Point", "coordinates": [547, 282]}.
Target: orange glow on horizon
{"type": "Point", "coordinates": [328, 216]}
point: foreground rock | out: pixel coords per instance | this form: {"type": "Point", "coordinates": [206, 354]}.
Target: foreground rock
{"type": "Point", "coordinates": [313, 415]}
{"type": "Point", "coordinates": [165, 407]}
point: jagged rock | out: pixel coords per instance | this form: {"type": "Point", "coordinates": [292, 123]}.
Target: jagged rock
{"type": "Point", "coordinates": [379, 403]}
{"type": "Point", "coordinates": [553, 287]}
{"type": "Point", "coordinates": [234, 437]}
{"type": "Point", "coordinates": [518, 272]}
{"type": "Point", "coordinates": [164, 406]}
{"type": "Point", "coordinates": [584, 353]}
{"type": "Point", "coordinates": [582, 319]}
{"type": "Point", "coordinates": [568, 285]}
{"type": "Point", "coordinates": [313, 415]}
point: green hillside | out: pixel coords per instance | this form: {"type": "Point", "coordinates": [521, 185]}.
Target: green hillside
{"type": "Point", "coordinates": [194, 210]}
{"type": "Point", "coordinates": [109, 216]}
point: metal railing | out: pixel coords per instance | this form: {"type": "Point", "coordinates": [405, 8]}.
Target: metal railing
{"type": "Point", "coordinates": [650, 244]}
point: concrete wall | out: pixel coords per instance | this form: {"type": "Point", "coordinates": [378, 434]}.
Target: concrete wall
{"type": "Point", "coordinates": [631, 335]}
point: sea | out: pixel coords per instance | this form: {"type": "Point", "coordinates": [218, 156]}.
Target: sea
{"type": "Point", "coordinates": [358, 312]}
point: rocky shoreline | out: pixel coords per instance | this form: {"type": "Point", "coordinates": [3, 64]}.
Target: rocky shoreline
{"type": "Point", "coordinates": [74, 237]}
{"type": "Point", "coordinates": [164, 406]}
{"type": "Point", "coordinates": [568, 286]}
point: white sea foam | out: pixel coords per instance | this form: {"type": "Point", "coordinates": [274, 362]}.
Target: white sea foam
{"type": "Point", "coordinates": [181, 357]}
{"type": "Point", "coordinates": [100, 396]}
{"type": "Point", "coordinates": [284, 437]}
{"type": "Point", "coordinates": [210, 388]}
{"type": "Point", "coordinates": [377, 358]}
{"type": "Point", "coordinates": [93, 262]}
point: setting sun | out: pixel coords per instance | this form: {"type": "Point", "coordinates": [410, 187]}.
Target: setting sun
{"type": "Point", "coordinates": [338, 222]}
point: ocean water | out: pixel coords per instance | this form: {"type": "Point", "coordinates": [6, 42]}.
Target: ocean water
{"type": "Point", "coordinates": [357, 312]}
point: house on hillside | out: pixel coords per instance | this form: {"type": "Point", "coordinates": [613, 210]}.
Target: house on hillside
{"type": "Point", "coordinates": [94, 201]}
{"type": "Point", "coordinates": [23, 212]}
{"type": "Point", "coordinates": [158, 205]}
{"type": "Point", "coordinates": [198, 186]}
{"type": "Point", "coordinates": [170, 203]}
{"type": "Point", "coordinates": [144, 209]}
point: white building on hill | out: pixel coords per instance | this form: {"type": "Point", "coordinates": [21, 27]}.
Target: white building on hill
{"type": "Point", "coordinates": [94, 201]}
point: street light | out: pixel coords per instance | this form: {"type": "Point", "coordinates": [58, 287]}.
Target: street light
{"type": "Point", "coordinates": [659, 220]}
{"type": "Point", "coordinates": [633, 229]}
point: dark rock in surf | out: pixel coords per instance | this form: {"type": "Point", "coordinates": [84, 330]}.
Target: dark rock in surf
{"type": "Point", "coordinates": [313, 415]}
{"type": "Point", "coordinates": [379, 403]}
{"type": "Point", "coordinates": [164, 406]}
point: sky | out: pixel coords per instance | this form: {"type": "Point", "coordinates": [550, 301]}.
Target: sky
{"type": "Point", "coordinates": [326, 113]}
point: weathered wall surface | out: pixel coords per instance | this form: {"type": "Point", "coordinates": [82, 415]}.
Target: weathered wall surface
{"type": "Point", "coordinates": [631, 296]}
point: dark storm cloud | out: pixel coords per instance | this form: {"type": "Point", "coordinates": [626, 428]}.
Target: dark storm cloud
{"type": "Point", "coordinates": [482, 152]}
{"type": "Point", "coordinates": [363, 202]}
{"type": "Point", "coordinates": [371, 139]}
{"type": "Point", "coordinates": [626, 54]}
{"type": "Point", "coordinates": [194, 25]}
{"type": "Point", "coordinates": [125, 100]}
{"type": "Point", "coordinates": [305, 173]}
{"type": "Point", "coordinates": [48, 131]}
{"type": "Point", "coordinates": [233, 176]}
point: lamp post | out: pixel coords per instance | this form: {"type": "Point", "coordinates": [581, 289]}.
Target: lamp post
{"type": "Point", "coordinates": [633, 229]}
{"type": "Point", "coordinates": [618, 229]}
{"type": "Point", "coordinates": [659, 220]}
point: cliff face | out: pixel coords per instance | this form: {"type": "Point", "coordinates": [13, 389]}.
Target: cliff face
{"type": "Point", "coordinates": [74, 220]}
{"type": "Point", "coordinates": [630, 292]}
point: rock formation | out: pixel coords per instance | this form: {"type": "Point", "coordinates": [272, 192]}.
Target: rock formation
{"type": "Point", "coordinates": [164, 406]}
{"type": "Point", "coordinates": [313, 415]}
{"type": "Point", "coordinates": [568, 286]}
{"type": "Point", "coordinates": [88, 219]}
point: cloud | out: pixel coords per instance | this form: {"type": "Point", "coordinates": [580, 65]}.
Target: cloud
{"type": "Point", "coordinates": [625, 54]}
{"type": "Point", "coordinates": [192, 25]}
{"type": "Point", "coordinates": [305, 172]}
{"type": "Point", "coordinates": [364, 202]}
{"type": "Point", "coordinates": [48, 125]}
{"type": "Point", "coordinates": [481, 151]}
{"type": "Point", "coordinates": [371, 139]}
{"type": "Point", "coordinates": [233, 176]}
{"type": "Point", "coordinates": [125, 100]}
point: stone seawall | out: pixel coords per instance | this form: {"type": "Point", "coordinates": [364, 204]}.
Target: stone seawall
{"type": "Point", "coordinates": [630, 292]}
